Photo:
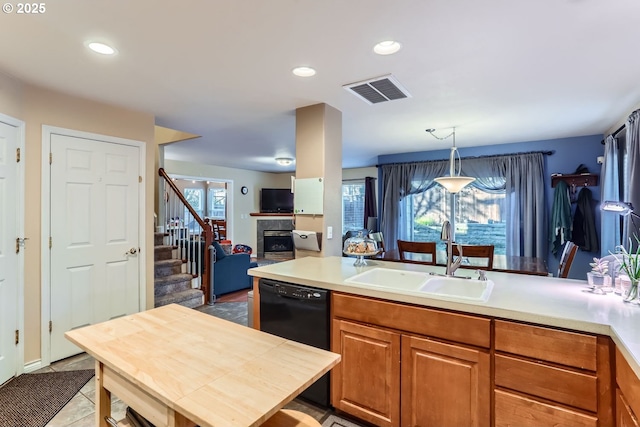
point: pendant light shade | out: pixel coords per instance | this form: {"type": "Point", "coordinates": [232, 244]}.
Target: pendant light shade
{"type": "Point", "coordinates": [454, 182]}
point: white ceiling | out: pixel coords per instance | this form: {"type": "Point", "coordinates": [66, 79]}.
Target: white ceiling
{"type": "Point", "coordinates": [500, 71]}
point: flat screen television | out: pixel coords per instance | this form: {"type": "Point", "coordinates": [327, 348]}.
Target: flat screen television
{"type": "Point", "coordinates": [276, 200]}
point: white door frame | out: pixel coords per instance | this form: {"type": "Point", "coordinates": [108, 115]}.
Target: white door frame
{"type": "Point", "coordinates": [47, 131]}
{"type": "Point", "coordinates": [20, 196]}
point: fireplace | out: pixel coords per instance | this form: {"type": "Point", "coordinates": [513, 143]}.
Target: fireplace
{"type": "Point", "coordinates": [278, 244]}
{"type": "Point", "coordinates": [274, 239]}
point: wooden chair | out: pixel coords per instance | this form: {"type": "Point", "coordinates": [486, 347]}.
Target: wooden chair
{"type": "Point", "coordinates": [429, 248]}
{"type": "Point", "coordinates": [568, 253]}
{"type": "Point", "coordinates": [476, 251]}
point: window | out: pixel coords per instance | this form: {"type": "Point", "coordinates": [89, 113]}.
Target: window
{"type": "Point", "coordinates": [478, 217]}
{"type": "Point", "coordinates": [352, 206]}
{"type": "Point", "coordinates": [217, 203]}
{"type": "Point", "coordinates": [195, 197]}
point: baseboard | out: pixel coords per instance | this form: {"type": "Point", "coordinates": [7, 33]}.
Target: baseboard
{"type": "Point", "coordinates": [33, 366]}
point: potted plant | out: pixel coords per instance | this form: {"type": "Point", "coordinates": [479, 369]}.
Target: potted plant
{"type": "Point", "coordinates": [596, 277]}
{"type": "Point", "coordinates": [630, 265]}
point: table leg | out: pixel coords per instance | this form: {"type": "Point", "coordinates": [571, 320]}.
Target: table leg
{"type": "Point", "coordinates": [103, 398]}
{"type": "Point", "coordinates": [178, 420]}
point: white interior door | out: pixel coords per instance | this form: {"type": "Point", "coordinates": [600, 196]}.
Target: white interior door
{"type": "Point", "coordinates": [94, 221]}
{"type": "Point", "coordinates": [9, 259]}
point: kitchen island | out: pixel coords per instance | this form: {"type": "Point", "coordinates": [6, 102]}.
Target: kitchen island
{"type": "Point", "coordinates": [178, 367]}
{"type": "Point", "coordinates": [520, 309]}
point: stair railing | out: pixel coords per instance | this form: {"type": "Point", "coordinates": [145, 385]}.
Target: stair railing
{"type": "Point", "coordinates": [187, 232]}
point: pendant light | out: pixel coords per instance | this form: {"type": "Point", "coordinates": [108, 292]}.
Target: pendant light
{"type": "Point", "coordinates": [454, 182]}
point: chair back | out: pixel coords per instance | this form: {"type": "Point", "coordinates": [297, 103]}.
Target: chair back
{"type": "Point", "coordinates": [568, 253]}
{"type": "Point", "coordinates": [377, 237]}
{"type": "Point", "coordinates": [407, 247]}
{"type": "Point", "coordinates": [476, 251]}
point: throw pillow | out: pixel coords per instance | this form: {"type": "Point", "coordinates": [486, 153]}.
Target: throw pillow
{"type": "Point", "coordinates": [242, 249]}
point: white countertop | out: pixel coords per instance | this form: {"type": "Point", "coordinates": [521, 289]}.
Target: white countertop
{"type": "Point", "coordinates": [550, 301]}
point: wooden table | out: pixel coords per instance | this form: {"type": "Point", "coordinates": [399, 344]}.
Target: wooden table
{"type": "Point", "coordinates": [503, 263]}
{"type": "Point", "coordinates": [180, 367]}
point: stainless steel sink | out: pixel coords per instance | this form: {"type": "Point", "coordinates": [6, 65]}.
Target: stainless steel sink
{"type": "Point", "coordinates": [425, 283]}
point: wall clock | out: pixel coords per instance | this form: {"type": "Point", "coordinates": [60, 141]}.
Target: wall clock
{"type": "Point", "coordinates": [244, 190]}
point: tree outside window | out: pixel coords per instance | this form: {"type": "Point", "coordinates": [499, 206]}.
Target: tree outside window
{"type": "Point", "coordinates": [195, 197]}
{"type": "Point", "coordinates": [479, 217]}
{"type": "Point", "coordinates": [217, 201]}
{"type": "Point", "coordinates": [352, 206]}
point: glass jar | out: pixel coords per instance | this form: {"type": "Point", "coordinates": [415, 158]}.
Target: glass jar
{"type": "Point", "coordinates": [360, 247]}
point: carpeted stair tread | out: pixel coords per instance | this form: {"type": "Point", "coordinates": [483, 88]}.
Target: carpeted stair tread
{"type": "Point", "coordinates": [163, 252]}
{"type": "Point", "coordinates": [190, 298]}
{"type": "Point", "coordinates": [174, 278]}
{"type": "Point", "coordinates": [169, 284]}
{"type": "Point", "coordinates": [167, 267]}
{"type": "Point", "coordinates": [168, 262]}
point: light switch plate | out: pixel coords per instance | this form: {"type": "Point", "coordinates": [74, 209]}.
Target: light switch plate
{"type": "Point", "coordinates": [329, 232]}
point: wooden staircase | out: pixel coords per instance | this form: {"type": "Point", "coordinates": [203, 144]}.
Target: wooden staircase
{"type": "Point", "coordinates": [171, 284]}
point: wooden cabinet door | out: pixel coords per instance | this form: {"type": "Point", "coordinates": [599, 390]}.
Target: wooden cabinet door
{"type": "Point", "coordinates": [624, 415]}
{"type": "Point", "coordinates": [366, 383]}
{"type": "Point", "coordinates": [444, 384]}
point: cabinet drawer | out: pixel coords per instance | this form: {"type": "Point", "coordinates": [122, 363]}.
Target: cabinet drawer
{"type": "Point", "coordinates": [628, 382]}
{"type": "Point", "coordinates": [560, 385]}
{"type": "Point", "coordinates": [512, 410]}
{"type": "Point", "coordinates": [565, 348]}
{"type": "Point", "coordinates": [456, 327]}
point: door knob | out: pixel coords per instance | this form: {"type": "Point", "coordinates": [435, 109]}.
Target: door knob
{"type": "Point", "coordinates": [131, 251]}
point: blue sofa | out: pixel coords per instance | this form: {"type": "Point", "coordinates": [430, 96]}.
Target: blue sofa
{"type": "Point", "coordinates": [229, 271]}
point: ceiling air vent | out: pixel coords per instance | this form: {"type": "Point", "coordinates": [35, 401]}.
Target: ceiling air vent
{"type": "Point", "coordinates": [379, 89]}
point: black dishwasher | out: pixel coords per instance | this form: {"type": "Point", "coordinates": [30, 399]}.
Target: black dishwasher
{"type": "Point", "coordinates": [298, 313]}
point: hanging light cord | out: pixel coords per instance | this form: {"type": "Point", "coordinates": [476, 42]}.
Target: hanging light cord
{"type": "Point", "coordinates": [454, 151]}
{"type": "Point", "coordinates": [437, 137]}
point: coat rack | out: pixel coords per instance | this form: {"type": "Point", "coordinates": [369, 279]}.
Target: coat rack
{"type": "Point", "coordinates": [575, 181]}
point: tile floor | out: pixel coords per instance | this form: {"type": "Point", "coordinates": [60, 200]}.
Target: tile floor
{"type": "Point", "coordinates": [80, 411]}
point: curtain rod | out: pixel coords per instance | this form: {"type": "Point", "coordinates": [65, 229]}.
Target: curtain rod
{"type": "Point", "coordinates": [617, 131]}
{"type": "Point", "coordinates": [545, 153]}
{"type": "Point", "coordinates": [359, 179]}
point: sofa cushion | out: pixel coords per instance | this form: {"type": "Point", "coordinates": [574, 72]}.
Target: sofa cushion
{"type": "Point", "coordinates": [220, 253]}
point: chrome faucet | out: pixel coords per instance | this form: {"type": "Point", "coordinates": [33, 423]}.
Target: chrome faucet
{"type": "Point", "coordinates": [452, 266]}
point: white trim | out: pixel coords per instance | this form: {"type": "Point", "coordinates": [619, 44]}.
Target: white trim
{"type": "Point", "coordinates": [230, 193]}
{"type": "Point", "coordinates": [33, 366]}
{"type": "Point", "coordinates": [20, 213]}
{"type": "Point", "coordinates": [45, 288]}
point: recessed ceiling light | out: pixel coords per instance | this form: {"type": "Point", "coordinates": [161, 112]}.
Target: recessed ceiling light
{"type": "Point", "coordinates": [284, 161]}
{"type": "Point", "coordinates": [101, 48]}
{"type": "Point", "coordinates": [304, 71]}
{"type": "Point", "coordinates": [387, 47]}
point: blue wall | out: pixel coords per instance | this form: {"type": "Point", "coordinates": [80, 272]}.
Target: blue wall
{"type": "Point", "coordinates": [568, 154]}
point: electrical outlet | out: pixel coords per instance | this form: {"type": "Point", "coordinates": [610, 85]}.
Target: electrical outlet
{"type": "Point", "coordinates": [329, 232]}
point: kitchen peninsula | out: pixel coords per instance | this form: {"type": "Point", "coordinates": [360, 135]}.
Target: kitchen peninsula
{"type": "Point", "coordinates": [539, 351]}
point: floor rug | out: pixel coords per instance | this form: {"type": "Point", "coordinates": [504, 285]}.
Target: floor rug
{"type": "Point", "coordinates": [33, 399]}
{"type": "Point", "coordinates": [335, 421]}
